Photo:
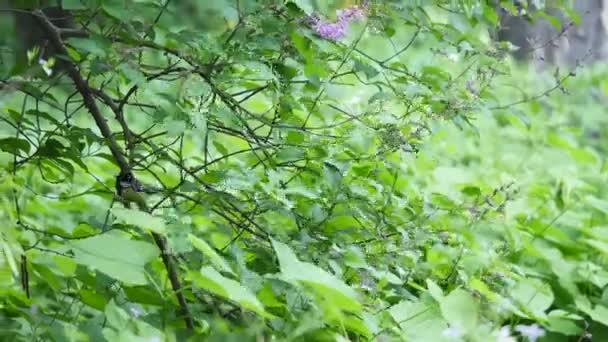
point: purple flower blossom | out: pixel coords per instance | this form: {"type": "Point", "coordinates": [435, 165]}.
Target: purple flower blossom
{"type": "Point", "coordinates": [350, 13]}
{"type": "Point", "coordinates": [336, 30]}
{"type": "Point", "coordinates": [331, 31]}
{"type": "Point", "coordinates": [531, 332]}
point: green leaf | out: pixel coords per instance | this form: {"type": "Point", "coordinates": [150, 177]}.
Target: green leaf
{"type": "Point", "coordinates": [555, 22]}
{"type": "Point", "coordinates": [209, 252]}
{"type": "Point", "coordinates": [143, 295]}
{"type": "Point", "coordinates": [140, 219]}
{"type": "Point", "coordinates": [9, 258]}
{"type": "Point", "coordinates": [472, 191]}
{"type": "Point", "coordinates": [89, 45]}
{"type": "Point", "coordinates": [13, 145]}
{"type": "Point", "coordinates": [434, 290]}
{"type": "Point", "coordinates": [116, 316]}
{"type": "Point", "coordinates": [72, 5]}
{"type": "Point", "coordinates": [175, 127]}
{"type": "Point", "coordinates": [460, 309]}
{"type": "Point", "coordinates": [327, 285]}
{"type": "Point", "coordinates": [74, 55]}
{"type": "Point", "coordinates": [572, 14]}
{"type": "Point", "coordinates": [599, 204]}
{"type": "Point", "coordinates": [599, 313]}
{"type": "Point", "coordinates": [564, 323]}
{"type": "Point", "coordinates": [116, 255]}
{"type": "Point", "coordinates": [93, 299]}
{"type": "Point", "coordinates": [331, 175]}
{"type": "Point", "coordinates": [305, 5]}
{"type": "Point", "coordinates": [342, 223]}
{"type": "Point", "coordinates": [133, 76]}
{"type": "Point", "coordinates": [368, 70]}
{"type": "Point", "coordinates": [51, 148]}
{"type": "Point", "coordinates": [210, 280]}
{"type": "Point", "coordinates": [116, 9]}
{"type": "Point", "coordinates": [533, 295]}
{"type": "Point", "coordinates": [600, 246]}
{"type": "Point", "coordinates": [418, 321]}
{"type": "Point", "coordinates": [354, 257]}
{"type": "Point", "coordinates": [559, 197]}
{"type": "Point", "coordinates": [65, 265]}
{"type": "Point", "coordinates": [489, 12]}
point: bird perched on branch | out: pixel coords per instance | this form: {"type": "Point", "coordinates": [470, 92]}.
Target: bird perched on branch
{"type": "Point", "coordinates": [130, 190]}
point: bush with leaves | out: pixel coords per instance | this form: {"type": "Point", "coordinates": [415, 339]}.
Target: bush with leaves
{"type": "Point", "coordinates": [319, 176]}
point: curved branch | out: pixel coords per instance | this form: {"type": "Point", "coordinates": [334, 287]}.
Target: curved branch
{"type": "Point", "coordinates": [83, 88]}
{"type": "Point", "coordinates": [89, 101]}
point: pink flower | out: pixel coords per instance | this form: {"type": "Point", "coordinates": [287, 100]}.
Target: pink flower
{"type": "Point", "coordinates": [336, 30]}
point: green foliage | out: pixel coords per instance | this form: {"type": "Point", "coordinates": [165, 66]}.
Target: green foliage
{"type": "Point", "coordinates": [407, 182]}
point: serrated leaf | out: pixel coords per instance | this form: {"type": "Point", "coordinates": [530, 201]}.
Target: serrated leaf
{"type": "Point", "coordinates": [328, 285]}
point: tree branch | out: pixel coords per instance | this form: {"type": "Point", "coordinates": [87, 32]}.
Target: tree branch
{"type": "Point", "coordinates": [83, 88]}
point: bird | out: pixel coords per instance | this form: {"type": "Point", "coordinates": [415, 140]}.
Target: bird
{"type": "Point", "coordinates": [130, 190]}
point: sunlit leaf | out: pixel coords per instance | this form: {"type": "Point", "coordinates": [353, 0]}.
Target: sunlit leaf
{"type": "Point", "coordinates": [327, 285]}
{"type": "Point", "coordinates": [115, 255]}
{"type": "Point", "coordinates": [460, 310]}
{"type": "Point", "coordinates": [140, 219]}
{"type": "Point", "coordinates": [210, 280]}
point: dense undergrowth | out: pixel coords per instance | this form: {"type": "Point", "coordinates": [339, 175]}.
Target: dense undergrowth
{"type": "Point", "coordinates": [393, 177]}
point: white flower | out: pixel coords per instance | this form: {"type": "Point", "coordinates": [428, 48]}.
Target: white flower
{"type": "Point", "coordinates": [504, 335]}
{"type": "Point", "coordinates": [453, 333]}
{"type": "Point", "coordinates": [135, 311]}
{"type": "Point", "coordinates": [46, 66]}
{"type": "Point", "coordinates": [531, 332]}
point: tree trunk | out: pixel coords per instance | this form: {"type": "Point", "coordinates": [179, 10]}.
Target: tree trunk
{"type": "Point", "coordinates": [546, 45]}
